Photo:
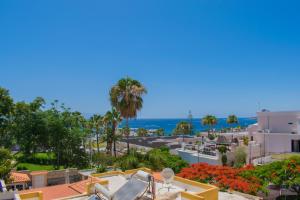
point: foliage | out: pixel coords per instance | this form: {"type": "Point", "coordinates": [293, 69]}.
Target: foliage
{"type": "Point", "coordinates": [211, 136]}
{"type": "Point", "coordinates": [223, 177]}
{"type": "Point", "coordinates": [36, 167]}
{"type": "Point", "coordinates": [246, 140]}
{"type": "Point", "coordinates": [103, 159]}
{"type": "Point", "coordinates": [101, 169]}
{"type": "Point", "coordinates": [6, 114]}
{"type": "Point", "coordinates": [222, 149]}
{"type": "Point", "coordinates": [224, 159]}
{"type": "Point", "coordinates": [155, 159]}
{"type": "Point", "coordinates": [183, 128]}
{"type": "Point", "coordinates": [30, 126]}
{"type": "Point", "coordinates": [37, 158]}
{"type": "Point", "coordinates": [111, 120]}
{"type": "Point", "coordinates": [141, 132]}
{"type": "Point", "coordinates": [240, 156]}
{"type": "Point", "coordinates": [95, 125]}
{"type": "Point", "coordinates": [209, 120]}
{"type": "Point", "coordinates": [286, 172]}
{"type": "Point", "coordinates": [126, 97]}
{"type": "Point", "coordinates": [160, 132]}
{"type": "Point", "coordinates": [6, 163]}
{"type": "Point", "coordinates": [232, 119]}
{"type": "Point", "coordinates": [130, 161]}
{"type": "Point", "coordinates": [67, 135]}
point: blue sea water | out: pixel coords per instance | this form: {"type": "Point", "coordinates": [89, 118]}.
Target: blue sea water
{"type": "Point", "coordinates": [169, 124]}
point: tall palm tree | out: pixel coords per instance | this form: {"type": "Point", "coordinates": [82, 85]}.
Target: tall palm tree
{"type": "Point", "coordinates": [96, 122]}
{"type": "Point", "coordinates": [232, 119]}
{"type": "Point", "coordinates": [209, 120]}
{"type": "Point", "coordinates": [183, 128]}
{"type": "Point", "coordinates": [112, 119]}
{"type": "Point", "coordinates": [126, 97]}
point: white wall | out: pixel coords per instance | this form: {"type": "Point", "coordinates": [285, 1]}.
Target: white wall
{"type": "Point", "coordinates": [276, 142]}
{"type": "Point", "coordinates": [278, 122]}
{"type": "Point", "coordinates": [192, 158]}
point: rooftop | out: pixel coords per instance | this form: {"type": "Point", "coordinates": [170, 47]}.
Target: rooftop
{"type": "Point", "coordinates": [17, 177]}
{"type": "Point", "coordinates": [117, 182]}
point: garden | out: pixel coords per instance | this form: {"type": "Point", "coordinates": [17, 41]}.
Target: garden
{"type": "Point", "coordinates": [249, 179]}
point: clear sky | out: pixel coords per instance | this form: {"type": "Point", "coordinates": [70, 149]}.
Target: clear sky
{"type": "Point", "coordinates": [208, 56]}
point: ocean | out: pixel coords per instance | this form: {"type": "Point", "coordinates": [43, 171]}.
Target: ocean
{"type": "Point", "coordinates": [169, 124]}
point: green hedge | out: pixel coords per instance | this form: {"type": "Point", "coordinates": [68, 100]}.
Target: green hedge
{"type": "Point", "coordinates": [38, 158]}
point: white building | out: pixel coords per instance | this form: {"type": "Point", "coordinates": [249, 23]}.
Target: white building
{"type": "Point", "coordinates": [277, 132]}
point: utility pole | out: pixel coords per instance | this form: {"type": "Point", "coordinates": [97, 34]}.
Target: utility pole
{"type": "Point", "coordinates": [190, 118]}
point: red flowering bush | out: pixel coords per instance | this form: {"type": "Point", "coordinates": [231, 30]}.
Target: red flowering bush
{"type": "Point", "coordinates": [223, 177]}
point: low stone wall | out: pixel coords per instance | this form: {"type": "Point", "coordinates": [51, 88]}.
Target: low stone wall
{"type": "Point", "coordinates": [61, 176]}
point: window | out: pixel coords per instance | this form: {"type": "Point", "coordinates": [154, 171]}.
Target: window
{"type": "Point", "coordinates": [295, 145]}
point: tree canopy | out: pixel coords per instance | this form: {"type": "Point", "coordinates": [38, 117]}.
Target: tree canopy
{"type": "Point", "coordinates": [232, 119]}
{"type": "Point", "coordinates": [183, 128]}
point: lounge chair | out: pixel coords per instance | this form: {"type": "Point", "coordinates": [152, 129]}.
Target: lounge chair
{"type": "Point", "coordinates": [135, 188]}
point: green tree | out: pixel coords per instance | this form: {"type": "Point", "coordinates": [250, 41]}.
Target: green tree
{"type": "Point", "coordinates": [182, 128]}
{"type": "Point", "coordinates": [240, 156]}
{"type": "Point", "coordinates": [245, 140]}
{"type": "Point", "coordinates": [160, 132]}
{"type": "Point", "coordinates": [67, 134]}
{"type": "Point", "coordinates": [223, 150]}
{"type": "Point", "coordinates": [126, 97]}
{"type": "Point", "coordinates": [6, 114]}
{"type": "Point", "coordinates": [30, 126]}
{"type": "Point", "coordinates": [141, 132]}
{"type": "Point", "coordinates": [6, 163]}
{"type": "Point", "coordinates": [232, 119]}
{"type": "Point", "coordinates": [209, 120]}
{"type": "Point", "coordinates": [112, 119]}
{"type": "Point", "coordinates": [97, 125]}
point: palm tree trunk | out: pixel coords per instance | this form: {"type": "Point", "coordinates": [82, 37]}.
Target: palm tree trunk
{"type": "Point", "coordinates": [115, 149]}
{"type": "Point", "coordinates": [127, 135]}
{"type": "Point", "coordinates": [114, 139]}
{"type": "Point", "coordinates": [97, 136]}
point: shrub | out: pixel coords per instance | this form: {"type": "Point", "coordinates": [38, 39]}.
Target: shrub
{"type": "Point", "coordinates": [101, 169]}
{"type": "Point", "coordinates": [38, 158]}
{"type": "Point", "coordinates": [240, 157]}
{"type": "Point", "coordinates": [20, 168]}
{"type": "Point", "coordinates": [246, 140]}
{"type": "Point", "coordinates": [211, 136]}
{"type": "Point", "coordinates": [223, 177]}
{"type": "Point", "coordinates": [222, 149]}
{"type": "Point", "coordinates": [224, 159]}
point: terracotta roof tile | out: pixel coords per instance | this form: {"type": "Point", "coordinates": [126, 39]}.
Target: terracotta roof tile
{"type": "Point", "coordinates": [53, 192]}
{"type": "Point", "coordinates": [19, 177]}
{"type": "Point", "coordinates": [62, 191]}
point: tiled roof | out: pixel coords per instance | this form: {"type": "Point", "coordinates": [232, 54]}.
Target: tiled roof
{"type": "Point", "coordinates": [53, 192]}
{"type": "Point", "coordinates": [19, 177]}
{"type": "Point", "coordinates": [62, 191]}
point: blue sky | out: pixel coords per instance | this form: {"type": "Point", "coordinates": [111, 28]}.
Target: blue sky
{"type": "Point", "coordinates": [216, 57]}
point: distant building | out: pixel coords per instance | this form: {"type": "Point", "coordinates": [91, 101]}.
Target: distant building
{"type": "Point", "coordinates": [277, 132]}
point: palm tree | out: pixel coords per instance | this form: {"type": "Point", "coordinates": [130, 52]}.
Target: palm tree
{"type": "Point", "coordinates": [126, 97]}
{"type": "Point", "coordinates": [182, 128]}
{"type": "Point", "coordinates": [112, 119]}
{"type": "Point", "coordinates": [232, 119]}
{"type": "Point", "coordinates": [141, 132]}
{"type": "Point", "coordinates": [209, 120]}
{"type": "Point", "coordinates": [96, 123]}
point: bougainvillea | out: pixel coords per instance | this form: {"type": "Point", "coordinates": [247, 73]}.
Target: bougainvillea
{"type": "Point", "coordinates": [224, 177]}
